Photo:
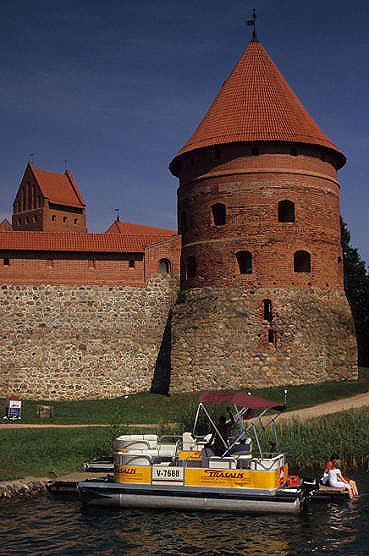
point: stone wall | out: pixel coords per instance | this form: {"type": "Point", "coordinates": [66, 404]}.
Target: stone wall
{"type": "Point", "coordinates": [221, 339]}
{"type": "Point", "coordinates": [71, 342]}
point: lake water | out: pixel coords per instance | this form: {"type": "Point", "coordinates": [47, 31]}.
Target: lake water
{"type": "Point", "coordinates": [45, 525]}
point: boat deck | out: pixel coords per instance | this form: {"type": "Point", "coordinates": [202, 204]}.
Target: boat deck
{"type": "Point", "coordinates": [67, 486]}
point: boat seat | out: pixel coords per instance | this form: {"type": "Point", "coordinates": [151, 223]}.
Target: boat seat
{"type": "Point", "coordinates": [216, 462]}
{"type": "Point", "coordinates": [136, 441]}
{"type": "Point", "coordinates": [267, 464]}
{"type": "Point", "coordinates": [167, 450]}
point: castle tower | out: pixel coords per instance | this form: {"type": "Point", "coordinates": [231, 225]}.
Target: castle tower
{"type": "Point", "coordinates": [262, 298]}
{"type": "Point", "coordinates": [48, 202]}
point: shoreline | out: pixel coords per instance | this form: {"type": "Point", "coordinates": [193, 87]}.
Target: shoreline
{"type": "Point", "coordinates": [23, 488]}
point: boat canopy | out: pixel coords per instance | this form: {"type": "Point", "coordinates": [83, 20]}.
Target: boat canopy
{"type": "Point", "coordinates": [240, 399]}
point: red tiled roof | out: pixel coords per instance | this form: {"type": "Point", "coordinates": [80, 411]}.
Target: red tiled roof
{"type": "Point", "coordinates": [5, 226]}
{"type": "Point", "coordinates": [255, 103]}
{"type": "Point", "coordinates": [129, 229]}
{"type": "Point", "coordinates": [58, 188]}
{"type": "Point", "coordinates": [61, 241]}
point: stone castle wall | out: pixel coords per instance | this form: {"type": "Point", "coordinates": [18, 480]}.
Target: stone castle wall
{"type": "Point", "coordinates": [220, 339]}
{"type": "Point", "coordinates": [73, 342]}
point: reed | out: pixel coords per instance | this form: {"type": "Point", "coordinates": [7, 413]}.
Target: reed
{"type": "Point", "coordinates": [309, 444]}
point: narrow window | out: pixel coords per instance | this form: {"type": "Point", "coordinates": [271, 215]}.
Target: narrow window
{"type": "Point", "coordinates": [244, 259]}
{"type": "Point", "coordinates": [131, 263]}
{"type": "Point", "coordinates": [302, 261]}
{"type": "Point", "coordinates": [75, 221]}
{"type": "Point", "coordinates": [286, 211]}
{"type": "Point", "coordinates": [271, 336]}
{"type": "Point", "coordinates": [164, 265]}
{"type": "Point", "coordinates": [27, 220]}
{"type": "Point", "coordinates": [91, 263]}
{"type": "Point", "coordinates": [64, 219]}
{"type": "Point", "coordinates": [53, 218]}
{"type": "Point", "coordinates": [6, 261]}
{"type": "Point", "coordinates": [219, 214]}
{"type": "Point", "coordinates": [267, 306]}
{"type": "Point", "coordinates": [191, 269]}
{"type": "Point", "coordinates": [182, 221]}
{"type": "Point", "coordinates": [50, 262]}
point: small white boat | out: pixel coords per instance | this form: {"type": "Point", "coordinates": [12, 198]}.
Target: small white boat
{"type": "Point", "coordinates": [185, 474]}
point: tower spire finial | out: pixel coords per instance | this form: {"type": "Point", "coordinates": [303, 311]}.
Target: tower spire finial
{"type": "Point", "coordinates": [252, 22]}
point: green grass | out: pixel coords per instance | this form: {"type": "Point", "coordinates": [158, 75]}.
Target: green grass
{"type": "Point", "coordinates": [154, 408]}
{"type": "Point", "coordinates": [309, 444]}
{"type": "Point", "coordinates": [38, 453]}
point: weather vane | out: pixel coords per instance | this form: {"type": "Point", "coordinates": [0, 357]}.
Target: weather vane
{"type": "Point", "coordinates": [116, 215]}
{"type": "Point", "coordinates": [252, 23]}
{"type": "Point", "coordinates": [32, 157]}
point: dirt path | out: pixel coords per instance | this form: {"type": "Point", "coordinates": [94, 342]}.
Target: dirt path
{"type": "Point", "coordinates": [335, 406]}
{"type": "Point", "coordinates": [15, 425]}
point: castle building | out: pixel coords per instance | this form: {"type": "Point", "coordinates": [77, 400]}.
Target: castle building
{"type": "Point", "coordinates": [83, 315]}
{"type": "Point", "coordinates": [48, 202]}
{"type": "Point", "coordinates": [261, 261]}
{"type": "Point", "coordinates": [258, 253]}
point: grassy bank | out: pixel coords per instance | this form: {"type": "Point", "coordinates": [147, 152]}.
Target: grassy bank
{"type": "Point", "coordinates": [39, 453]}
{"type": "Point", "coordinates": [308, 444]}
{"type": "Point", "coordinates": [154, 408]}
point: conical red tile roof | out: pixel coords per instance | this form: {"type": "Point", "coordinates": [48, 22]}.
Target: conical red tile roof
{"type": "Point", "coordinates": [256, 103]}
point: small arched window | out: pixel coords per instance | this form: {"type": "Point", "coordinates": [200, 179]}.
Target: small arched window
{"type": "Point", "coordinates": [164, 265]}
{"type": "Point", "coordinates": [244, 259]}
{"type": "Point", "coordinates": [218, 212]}
{"type": "Point", "coordinates": [302, 261]}
{"type": "Point", "coordinates": [191, 267]}
{"type": "Point", "coordinates": [286, 211]}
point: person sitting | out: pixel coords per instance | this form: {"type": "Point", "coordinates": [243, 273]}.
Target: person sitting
{"type": "Point", "coordinates": [219, 442]}
{"type": "Point", "coordinates": [328, 466]}
{"type": "Point", "coordinates": [336, 480]}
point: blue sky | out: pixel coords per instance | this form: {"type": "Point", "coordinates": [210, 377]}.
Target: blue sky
{"type": "Point", "coordinates": [117, 87]}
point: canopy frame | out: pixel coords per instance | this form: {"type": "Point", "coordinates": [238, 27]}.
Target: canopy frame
{"type": "Point", "coordinates": [239, 413]}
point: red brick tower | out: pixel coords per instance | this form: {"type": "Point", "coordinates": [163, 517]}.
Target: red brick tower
{"type": "Point", "coordinates": [258, 210]}
{"type": "Point", "coordinates": [48, 202]}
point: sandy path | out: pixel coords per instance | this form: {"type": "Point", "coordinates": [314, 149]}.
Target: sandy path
{"type": "Point", "coordinates": [327, 408]}
{"type": "Point", "coordinates": [15, 425]}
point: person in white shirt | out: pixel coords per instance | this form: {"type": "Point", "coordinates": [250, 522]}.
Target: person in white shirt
{"type": "Point", "coordinates": [335, 479]}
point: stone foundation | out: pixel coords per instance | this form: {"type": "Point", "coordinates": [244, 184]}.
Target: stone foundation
{"type": "Point", "coordinates": [74, 342]}
{"type": "Point", "coordinates": [220, 339]}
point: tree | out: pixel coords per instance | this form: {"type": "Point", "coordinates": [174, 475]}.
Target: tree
{"type": "Point", "coordinates": [357, 291]}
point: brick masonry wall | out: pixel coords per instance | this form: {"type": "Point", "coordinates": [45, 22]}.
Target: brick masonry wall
{"type": "Point", "coordinates": [72, 268]}
{"type": "Point", "coordinates": [250, 187]}
{"type": "Point", "coordinates": [169, 250]}
{"type": "Point", "coordinates": [220, 339]}
{"type": "Point", "coordinates": [74, 342]}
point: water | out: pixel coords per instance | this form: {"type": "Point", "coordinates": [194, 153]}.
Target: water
{"type": "Point", "coordinates": [59, 527]}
